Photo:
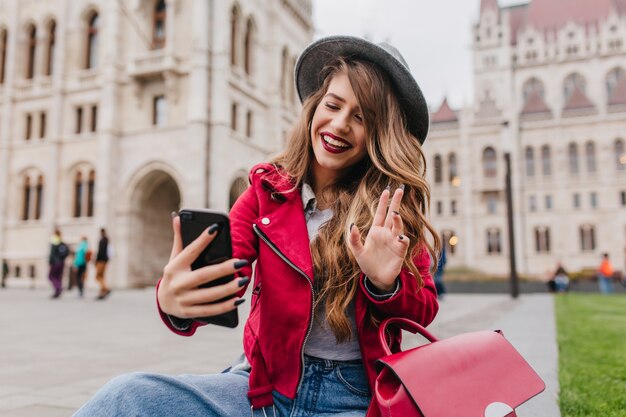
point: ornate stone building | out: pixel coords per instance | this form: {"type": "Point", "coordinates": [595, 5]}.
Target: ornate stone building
{"type": "Point", "coordinates": [115, 113]}
{"type": "Point", "coordinates": [550, 90]}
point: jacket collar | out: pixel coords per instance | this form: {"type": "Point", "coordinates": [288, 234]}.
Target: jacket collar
{"type": "Point", "coordinates": [286, 229]}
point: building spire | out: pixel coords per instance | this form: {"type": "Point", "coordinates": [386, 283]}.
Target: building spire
{"type": "Point", "coordinates": [488, 4]}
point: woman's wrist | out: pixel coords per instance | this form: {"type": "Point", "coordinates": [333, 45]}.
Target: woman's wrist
{"type": "Point", "coordinates": [383, 288]}
{"type": "Point", "coordinates": [381, 291]}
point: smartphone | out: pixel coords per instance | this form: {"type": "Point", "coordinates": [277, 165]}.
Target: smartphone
{"type": "Point", "coordinates": [193, 222]}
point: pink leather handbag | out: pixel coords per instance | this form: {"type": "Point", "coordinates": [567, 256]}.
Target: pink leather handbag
{"type": "Point", "coordinates": [478, 374]}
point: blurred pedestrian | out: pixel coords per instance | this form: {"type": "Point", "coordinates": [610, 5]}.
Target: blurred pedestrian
{"type": "Point", "coordinates": [441, 265]}
{"type": "Point", "coordinates": [605, 275]}
{"type": "Point", "coordinates": [5, 273]}
{"type": "Point", "coordinates": [71, 273]}
{"type": "Point", "coordinates": [101, 264]}
{"type": "Point", "coordinates": [56, 260]}
{"type": "Point", "coordinates": [80, 264]}
{"type": "Point", "coordinates": [561, 279]}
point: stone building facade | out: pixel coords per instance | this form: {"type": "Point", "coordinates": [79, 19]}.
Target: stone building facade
{"type": "Point", "coordinates": [116, 113]}
{"type": "Point", "coordinates": [550, 90]}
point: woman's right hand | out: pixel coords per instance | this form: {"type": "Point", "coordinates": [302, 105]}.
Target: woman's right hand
{"type": "Point", "coordinates": [179, 293]}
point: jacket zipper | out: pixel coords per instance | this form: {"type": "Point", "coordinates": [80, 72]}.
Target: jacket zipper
{"type": "Point", "coordinates": [256, 292]}
{"type": "Point", "coordinates": [265, 239]}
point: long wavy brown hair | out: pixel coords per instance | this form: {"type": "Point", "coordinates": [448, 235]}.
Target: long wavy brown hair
{"type": "Point", "coordinates": [394, 157]}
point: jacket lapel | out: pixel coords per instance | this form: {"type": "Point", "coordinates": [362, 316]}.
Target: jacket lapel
{"type": "Point", "coordinates": [287, 231]}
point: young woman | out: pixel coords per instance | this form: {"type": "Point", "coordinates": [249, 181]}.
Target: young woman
{"type": "Point", "coordinates": [337, 226]}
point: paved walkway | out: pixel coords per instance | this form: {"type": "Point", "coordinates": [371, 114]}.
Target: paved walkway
{"type": "Point", "coordinates": [55, 354]}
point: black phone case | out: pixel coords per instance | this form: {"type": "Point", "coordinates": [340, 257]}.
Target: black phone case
{"type": "Point", "coordinates": [193, 222]}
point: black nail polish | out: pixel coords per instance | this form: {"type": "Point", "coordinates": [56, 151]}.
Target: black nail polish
{"type": "Point", "coordinates": [396, 212]}
{"type": "Point", "coordinates": [239, 302]}
{"type": "Point", "coordinates": [243, 281]}
{"type": "Point", "coordinates": [240, 264]}
{"type": "Point", "coordinates": [213, 228]}
{"type": "Point", "coordinates": [351, 226]}
{"type": "Point", "coordinates": [400, 237]}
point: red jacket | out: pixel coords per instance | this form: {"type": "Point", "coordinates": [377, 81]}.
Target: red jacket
{"type": "Point", "coordinates": [272, 227]}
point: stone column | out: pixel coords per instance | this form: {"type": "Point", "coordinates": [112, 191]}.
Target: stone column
{"type": "Point", "coordinates": [6, 185]}
{"type": "Point", "coordinates": [198, 103]}
{"type": "Point", "coordinates": [108, 135]}
{"type": "Point", "coordinates": [53, 178]}
{"type": "Point", "coordinates": [170, 6]}
{"type": "Point", "coordinates": [467, 244]}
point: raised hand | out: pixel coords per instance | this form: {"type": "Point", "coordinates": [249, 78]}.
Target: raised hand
{"type": "Point", "coordinates": [179, 293]}
{"type": "Point", "coordinates": [381, 256]}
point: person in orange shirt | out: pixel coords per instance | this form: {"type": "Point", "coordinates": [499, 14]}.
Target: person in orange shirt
{"type": "Point", "coordinates": [605, 275]}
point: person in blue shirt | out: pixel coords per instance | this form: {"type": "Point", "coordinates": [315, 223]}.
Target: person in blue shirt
{"type": "Point", "coordinates": [80, 263]}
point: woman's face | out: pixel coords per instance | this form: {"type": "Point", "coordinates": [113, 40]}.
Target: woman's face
{"type": "Point", "coordinates": [337, 131]}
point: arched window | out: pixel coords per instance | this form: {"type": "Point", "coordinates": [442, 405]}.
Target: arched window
{"type": "Point", "coordinates": [26, 199]}
{"type": "Point", "coordinates": [28, 131]}
{"type": "Point", "coordinates": [292, 83]}
{"type": "Point", "coordinates": [39, 197]}
{"type": "Point", "coordinates": [236, 189]}
{"type": "Point", "coordinates": [490, 163]}
{"type": "Point", "coordinates": [572, 155]}
{"type": "Point", "coordinates": [32, 193]}
{"type": "Point", "coordinates": [542, 239]}
{"type": "Point", "coordinates": [587, 237]}
{"type": "Point", "coordinates": [78, 194]}
{"type": "Point", "coordinates": [249, 124]}
{"type": "Point", "coordinates": [284, 74]}
{"type": "Point", "coordinates": [92, 41]}
{"type": "Point", "coordinates": [529, 157]}
{"type": "Point", "coordinates": [546, 164]}
{"type": "Point", "coordinates": [438, 168]}
{"type": "Point", "coordinates": [452, 169]}
{"type": "Point", "coordinates": [248, 46]}
{"type": "Point", "coordinates": [3, 53]}
{"type": "Point", "coordinates": [494, 244]}
{"type": "Point", "coordinates": [31, 53]}
{"type": "Point", "coordinates": [613, 79]}
{"type": "Point", "coordinates": [158, 27]}
{"type": "Point", "coordinates": [571, 83]}
{"type": "Point", "coordinates": [50, 42]}
{"type": "Point", "coordinates": [91, 186]}
{"type": "Point", "coordinates": [234, 35]}
{"type": "Point", "coordinates": [620, 155]}
{"type": "Point", "coordinates": [590, 156]}
{"type": "Point", "coordinates": [532, 87]}
{"type": "Point", "coordinates": [84, 186]}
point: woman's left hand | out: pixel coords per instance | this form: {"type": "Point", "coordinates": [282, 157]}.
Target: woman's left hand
{"type": "Point", "coordinates": [382, 255]}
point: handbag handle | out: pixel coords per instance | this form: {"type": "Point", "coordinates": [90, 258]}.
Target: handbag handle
{"type": "Point", "coordinates": [404, 324]}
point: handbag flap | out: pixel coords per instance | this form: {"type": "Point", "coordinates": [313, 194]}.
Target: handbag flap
{"type": "Point", "coordinates": [465, 374]}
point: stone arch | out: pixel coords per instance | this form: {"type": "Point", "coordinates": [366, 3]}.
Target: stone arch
{"type": "Point", "coordinates": [153, 194]}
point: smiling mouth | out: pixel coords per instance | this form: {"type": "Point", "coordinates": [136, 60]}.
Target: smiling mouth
{"type": "Point", "coordinates": [334, 144]}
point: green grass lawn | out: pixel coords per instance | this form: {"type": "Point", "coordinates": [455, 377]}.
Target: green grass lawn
{"type": "Point", "coordinates": [592, 355]}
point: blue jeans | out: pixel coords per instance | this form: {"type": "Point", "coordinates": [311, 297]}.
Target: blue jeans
{"type": "Point", "coordinates": [605, 283]}
{"type": "Point", "coordinates": [329, 389]}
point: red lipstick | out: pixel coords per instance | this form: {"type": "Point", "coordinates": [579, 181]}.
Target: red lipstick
{"type": "Point", "coordinates": [333, 148]}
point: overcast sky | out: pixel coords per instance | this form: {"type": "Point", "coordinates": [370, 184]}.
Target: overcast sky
{"type": "Point", "coordinates": [434, 36]}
